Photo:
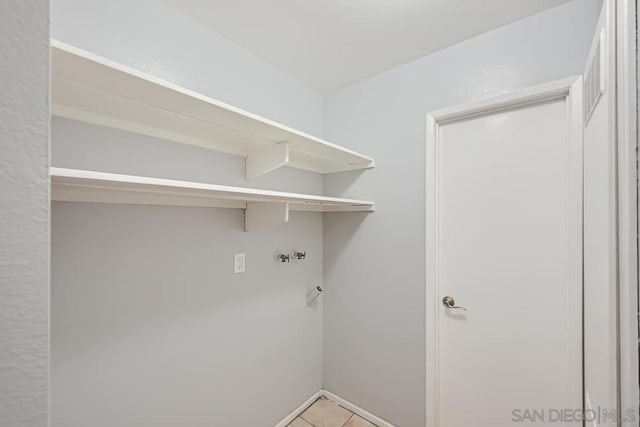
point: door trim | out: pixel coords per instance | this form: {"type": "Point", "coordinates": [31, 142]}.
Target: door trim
{"type": "Point", "coordinates": [626, 97]}
{"type": "Point", "coordinates": [571, 88]}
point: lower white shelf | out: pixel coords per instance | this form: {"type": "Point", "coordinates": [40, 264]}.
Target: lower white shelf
{"type": "Point", "coordinates": [264, 207]}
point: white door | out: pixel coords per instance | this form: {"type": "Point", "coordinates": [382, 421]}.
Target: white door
{"type": "Point", "coordinates": [505, 245]}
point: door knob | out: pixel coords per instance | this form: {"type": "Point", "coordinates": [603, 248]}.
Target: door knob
{"type": "Point", "coordinates": [449, 302]}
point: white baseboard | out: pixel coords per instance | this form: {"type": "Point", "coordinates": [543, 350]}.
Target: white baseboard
{"type": "Point", "coordinates": [340, 401]}
{"type": "Point", "coordinates": [300, 409]}
{"type": "Point", "coordinates": [356, 409]}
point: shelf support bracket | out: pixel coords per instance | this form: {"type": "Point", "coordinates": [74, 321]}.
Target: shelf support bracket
{"type": "Point", "coordinates": [267, 159]}
{"type": "Point", "coordinates": [265, 215]}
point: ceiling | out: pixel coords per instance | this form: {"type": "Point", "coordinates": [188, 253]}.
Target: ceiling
{"type": "Point", "coordinates": [331, 43]}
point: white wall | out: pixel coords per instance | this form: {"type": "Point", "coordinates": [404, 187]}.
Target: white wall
{"type": "Point", "coordinates": [24, 213]}
{"type": "Point", "coordinates": [374, 273]}
{"type": "Point", "coordinates": [150, 327]}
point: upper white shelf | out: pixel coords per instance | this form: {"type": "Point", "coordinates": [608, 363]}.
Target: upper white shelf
{"type": "Point", "coordinates": [96, 90]}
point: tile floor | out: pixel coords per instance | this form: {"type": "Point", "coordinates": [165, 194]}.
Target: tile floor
{"type": "Point", "coordinates": [325, 413]}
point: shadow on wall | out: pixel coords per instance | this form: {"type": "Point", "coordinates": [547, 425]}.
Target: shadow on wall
{"type": "Point", "coordinates": [341, 183]}
{"type": "Point", "coordinates": [338, 240]}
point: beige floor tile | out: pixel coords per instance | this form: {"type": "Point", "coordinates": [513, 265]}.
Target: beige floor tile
{"type": "Point", "coordinates": [299, 422]}
{"type": "Point", "coordinates": [325, 413]}
{"type": "Point", "coordinates": [357, 421]}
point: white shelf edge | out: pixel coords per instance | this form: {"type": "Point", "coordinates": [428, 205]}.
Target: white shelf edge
{"type": "Point", "coordinates": [308, 152]}
{"type": "Point", "coordinates": [74, 185]}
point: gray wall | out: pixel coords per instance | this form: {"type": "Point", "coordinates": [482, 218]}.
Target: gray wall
{"type": "Point", "coordinates": [24, 212]}
{"type": "Point", "coordinates": [374, 273]}
{"type": "Point", "coordinates": [150, 327]}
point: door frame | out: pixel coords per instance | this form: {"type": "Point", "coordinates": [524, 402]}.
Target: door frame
{"type": "Point", "coordinates": [571, 88]}
{"type": "Point", "coordinates": [628, 225]}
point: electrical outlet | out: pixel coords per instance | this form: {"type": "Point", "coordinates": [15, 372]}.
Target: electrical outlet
{"type": "Point", "coordinates": [238, 263]}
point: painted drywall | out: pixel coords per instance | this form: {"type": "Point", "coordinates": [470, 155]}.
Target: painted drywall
{"type": "Point", "coordinates": [24, 213]}
{"type": "Point", "coordinates": [333, 43]}
{"type": "Point", "coordinates": [150, 326]}
{"type": "Point", "coordinates": [374, 272]}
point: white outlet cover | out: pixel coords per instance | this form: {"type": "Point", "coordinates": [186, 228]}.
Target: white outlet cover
{"type": "Point", "coordinates": [238, 263]}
